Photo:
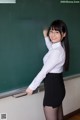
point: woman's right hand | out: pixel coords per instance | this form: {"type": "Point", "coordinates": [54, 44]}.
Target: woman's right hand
{"type": "Point", "coordinates": [45, 31]}
{"type": "Point", "coordinates": [29, 91]}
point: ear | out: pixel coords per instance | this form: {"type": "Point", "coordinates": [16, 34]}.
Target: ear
{"type": "Point", "coordinates": [64, 34]}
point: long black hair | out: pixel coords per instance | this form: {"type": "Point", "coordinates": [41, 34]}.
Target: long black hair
{"type": "Point", "coordinates": [60, 26]}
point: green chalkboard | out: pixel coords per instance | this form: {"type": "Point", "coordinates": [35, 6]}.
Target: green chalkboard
{"type": "Point", "coordinates": [22, 45]}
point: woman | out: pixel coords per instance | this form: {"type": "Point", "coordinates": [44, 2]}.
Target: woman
{"type": "Point", "coordinates": [56, 61]}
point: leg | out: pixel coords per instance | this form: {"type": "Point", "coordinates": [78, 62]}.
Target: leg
{"type": "Point", "coordinates": [50, 113]}
{"type": "Point", "coordinates": [60, 113]}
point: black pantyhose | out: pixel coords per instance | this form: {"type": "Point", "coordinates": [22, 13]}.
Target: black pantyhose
{"type": "Point", "coordinates": [53, 113]}
{"type": "Point", "coordinates": [50, 113]}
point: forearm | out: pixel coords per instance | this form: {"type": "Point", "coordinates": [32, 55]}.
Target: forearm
{"type": "Point", "coordinates": [48, 42]}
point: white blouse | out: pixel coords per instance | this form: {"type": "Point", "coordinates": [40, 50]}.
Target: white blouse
{"type": "Point", "coordinates": [53, 62]}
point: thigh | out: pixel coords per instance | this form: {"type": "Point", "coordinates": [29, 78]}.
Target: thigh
{"type": "Point", "coordinates": [60, 112]}
{"type": "Point", "coordinates": [51, 113]}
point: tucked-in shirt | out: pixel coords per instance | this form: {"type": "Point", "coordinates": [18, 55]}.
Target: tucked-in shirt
{"type": "Point", "coordinates": [53, 62]}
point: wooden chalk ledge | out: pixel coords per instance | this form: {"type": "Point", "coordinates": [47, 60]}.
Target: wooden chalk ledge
{"type": "Point", "coordinates": [20, 95]}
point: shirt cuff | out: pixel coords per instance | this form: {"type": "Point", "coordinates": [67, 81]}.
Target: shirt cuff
{"type": "Point", "coordinates": [31, 87]}
{"type": "Point", "coordinates": [46, 38]}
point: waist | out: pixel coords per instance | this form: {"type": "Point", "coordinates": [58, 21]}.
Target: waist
{"type": "Point", "coordinates": [59, 70]}
{"type": "Point", "coordinates": [55, 75]}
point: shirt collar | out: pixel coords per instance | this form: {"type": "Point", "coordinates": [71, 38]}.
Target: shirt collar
{"type": "Point", "coordinates": [55, 45]}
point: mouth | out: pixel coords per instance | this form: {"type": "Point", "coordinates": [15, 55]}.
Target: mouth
{"type": "Point", "coordinates": [53, 39]}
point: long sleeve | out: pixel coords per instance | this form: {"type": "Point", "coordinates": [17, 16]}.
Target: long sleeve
{"type": "Point", "coordinates": [51, 62]}
{"type": "Point", "coordinates": [48, 42]}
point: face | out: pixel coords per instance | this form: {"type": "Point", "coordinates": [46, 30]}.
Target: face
{"type": "Point", "coordinates": [56, 36]}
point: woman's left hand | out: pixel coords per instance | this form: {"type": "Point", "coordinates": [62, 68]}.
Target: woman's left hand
{"type": "Point", "coordinates": [29, 91]}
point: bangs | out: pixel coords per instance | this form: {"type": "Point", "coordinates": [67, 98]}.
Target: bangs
{"type": "Point", "coordinates": [56, 28]}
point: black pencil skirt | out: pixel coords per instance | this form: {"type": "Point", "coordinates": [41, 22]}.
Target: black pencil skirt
{"type": "Point", "coordinates": [54, 90]}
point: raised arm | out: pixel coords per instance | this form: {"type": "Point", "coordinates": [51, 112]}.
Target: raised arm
{"type": "Point", "coordinates": [47, 40]}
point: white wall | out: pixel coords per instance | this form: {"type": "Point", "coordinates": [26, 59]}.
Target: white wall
{"type": "Point", "coordinates": [30, 107]}
{"type": "Point", "coordinates": [72, 98]}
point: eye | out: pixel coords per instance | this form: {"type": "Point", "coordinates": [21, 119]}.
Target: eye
{"type": "Point", "coordinates": [57, 31]}
{"type": "Point", "coordinates": [51, 31]}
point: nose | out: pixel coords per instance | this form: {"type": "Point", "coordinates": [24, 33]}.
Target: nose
{"type": "Point", "coordinates": [54, 33]}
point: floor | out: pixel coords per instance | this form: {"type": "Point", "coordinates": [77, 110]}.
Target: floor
{"type": "Point", "coordinates": [75, 117]}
